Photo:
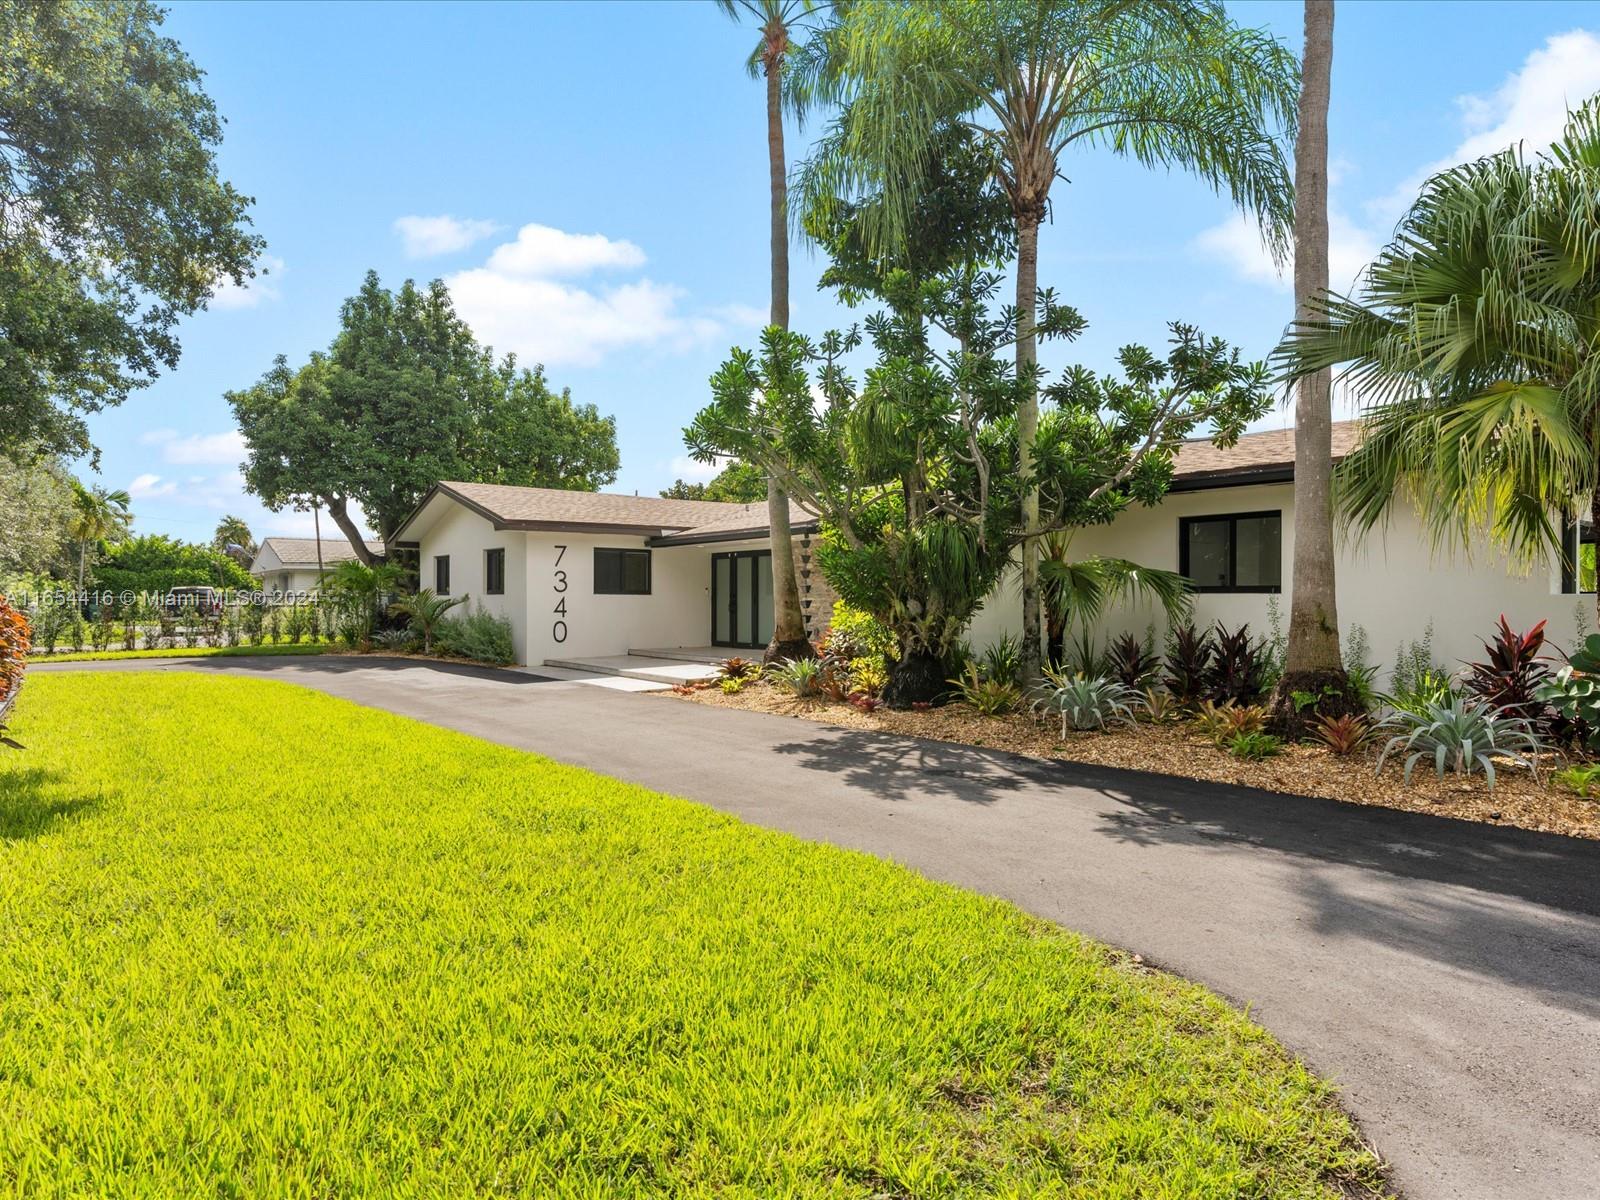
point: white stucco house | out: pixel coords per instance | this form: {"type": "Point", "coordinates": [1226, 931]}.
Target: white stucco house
{"type": "Point", "coordinates": [583, 574]}
{"type": "Point", "coordinates": [287, 565]}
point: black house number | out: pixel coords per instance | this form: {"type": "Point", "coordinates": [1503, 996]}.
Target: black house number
{"type": "Point", "coordinates": [558, 631]}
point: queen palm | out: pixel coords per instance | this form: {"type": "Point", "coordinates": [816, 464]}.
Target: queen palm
{"type": "Point", "coordinates": [1475, 343]}
{"type": "Point", "coordinates": [779, 21]}
{"type": "Point", "coordinates": [97, 516]}
{"type": "Point", "coordinates": [1169, 83]}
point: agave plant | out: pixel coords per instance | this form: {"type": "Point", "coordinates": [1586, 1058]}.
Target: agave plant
{"type": "Point", "coordinates": [1463, 735]}
{"type": "Point", "coordinates": [1085, 702]}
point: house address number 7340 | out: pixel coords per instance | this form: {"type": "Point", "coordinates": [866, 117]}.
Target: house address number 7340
{"type": "Point", "coordinates": [558, 631]}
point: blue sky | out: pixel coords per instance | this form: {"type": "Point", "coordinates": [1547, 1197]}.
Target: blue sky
{"type": "Point", "coordinates": [591, 179]}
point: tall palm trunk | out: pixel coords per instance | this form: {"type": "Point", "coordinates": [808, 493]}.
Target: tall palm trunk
{"type": "Point", "coordinates": [1312, 663]}
{"type": "Point", "coordinates": [788, 619]}
{"type": "Point", "coordinates": [1027, 432]}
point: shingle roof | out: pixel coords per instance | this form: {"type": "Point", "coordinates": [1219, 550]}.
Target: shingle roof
{"type": "Point", "coordinates": [535, 508]}
{"type": "Point", "coordinates": [749, 521]}
{"type": "Point", "coordinates": [1270, 453]}
{"type": "Point", "coordinates": [303, 551]}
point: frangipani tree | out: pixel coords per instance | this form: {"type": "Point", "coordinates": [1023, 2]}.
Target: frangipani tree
{"type": "Point", "coordinates": [913, 470]}
{"type": "Point", "coordinates": [1169, 83]}
{"type": "Point", "coordinates": [1475, 342]}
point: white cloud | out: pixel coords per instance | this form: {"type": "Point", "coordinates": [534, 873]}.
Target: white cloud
{"type": "Point", "coordinates": [230, 295]}
{"type": "Point", "coordinates": [541, 252]}
{"type": "Point", "coordinates": [1237, 244]}
{"type": "Point", "coordinates": [1529, 107]}
{"type": "Point", "coordinates": [425, 237]}
{"type": "Point", "coordinates": [517, 301]}
{"type": "Point", "coordinates": [148, 487]}
{"type": "Point", "coordinates": [685, 468]}
{"type": "Point", "coordinates": [197, 449]}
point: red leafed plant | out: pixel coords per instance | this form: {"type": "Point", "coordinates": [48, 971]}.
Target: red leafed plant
{"type": "Point", "coordinates": [1511, 674]}
{"type": "Point", "coordinates": [14, 643]}
{"type": "Point", "coordinates": [1345, 734]}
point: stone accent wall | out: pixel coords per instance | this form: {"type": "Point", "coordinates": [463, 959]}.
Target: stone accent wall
{"type": "Point", "coordinates": [816, 593]}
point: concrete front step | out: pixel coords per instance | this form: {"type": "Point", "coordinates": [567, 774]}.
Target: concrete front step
{"type": "Point", "coordinates": [706, 655]}
{"type": "Point", "coordinates": [664, 672]}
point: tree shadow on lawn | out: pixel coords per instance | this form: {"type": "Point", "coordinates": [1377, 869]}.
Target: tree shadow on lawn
{"type": "Point", "coordinates": [30, 808]}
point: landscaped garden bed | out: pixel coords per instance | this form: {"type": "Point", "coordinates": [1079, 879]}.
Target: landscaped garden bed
{"type": "Point", "coordinates": [471, 971]}
{"type": "Point", "coordinates": [1173, 749]}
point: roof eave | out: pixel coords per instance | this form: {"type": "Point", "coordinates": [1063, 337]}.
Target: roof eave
{"type": "Point", "coordinates": [728, 535]}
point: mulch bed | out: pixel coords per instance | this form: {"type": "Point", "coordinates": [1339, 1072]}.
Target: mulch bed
{"type": "Point", "coordinates": [1301, 770]}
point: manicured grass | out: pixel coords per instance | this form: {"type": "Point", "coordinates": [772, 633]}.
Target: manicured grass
{"type": "Point", "coordinates": [256, 941]}
{"type": "Point", "coordinates": [177, 652]}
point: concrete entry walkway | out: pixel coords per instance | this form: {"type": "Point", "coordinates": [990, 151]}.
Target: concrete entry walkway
{"type": "Point", "coordinates": [1446, 975]}
{"type": "Point", "coordinates": [659, 669]}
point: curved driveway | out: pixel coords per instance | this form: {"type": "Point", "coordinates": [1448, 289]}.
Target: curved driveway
{"type": "Point", "coordinates": [1446, 975]}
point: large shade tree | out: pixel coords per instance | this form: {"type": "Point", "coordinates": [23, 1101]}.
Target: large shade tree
{"type": "Point", "coordinates": [785, 27]}
{"type": "Point", "coordinates": [403, 398]}
{"type": "Point", "coordinates": [1171, 83]}
{"type": "Point", "coordinates": [1473, 341]}
{"type": "Point", "coordinates": [114, 220]}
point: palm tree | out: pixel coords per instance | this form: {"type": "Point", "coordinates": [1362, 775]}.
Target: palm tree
{"type": "Point", "coordinates": [233, 531]}
{"type": "Point", "coordinates": [1077, 591]}
{"type": "Point", "coordinates": [1312, 662]}
{"type": "Point", "coordinates": [1169, 83]}
{"type": "Point", "coordinates": [778, 21]}
{"type": "Point", "coordinates": [356, 590]}
{"type": "Point", "coordinates": [97, 516]}
{"type": "Point", "coordinates": [426, 610]}
{"type": "Point", "coordinates": [1473, 342]}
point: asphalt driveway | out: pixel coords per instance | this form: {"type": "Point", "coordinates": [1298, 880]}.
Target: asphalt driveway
{"type": "Point", "coordinates": [1447, 975]}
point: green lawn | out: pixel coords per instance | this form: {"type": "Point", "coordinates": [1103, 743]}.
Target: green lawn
{"type": "Point", "coordinates": [256, 941]}
{"type": "Point", "coordinates": [175, 652]}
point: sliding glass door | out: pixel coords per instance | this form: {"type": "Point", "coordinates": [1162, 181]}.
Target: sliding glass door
{"type": "Point", "coordinates": [741, 599]}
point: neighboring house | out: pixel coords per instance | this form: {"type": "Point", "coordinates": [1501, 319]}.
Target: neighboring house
{"type": "Point", "coordinates": [583, 574]}
{"type": "Point", "coordinates": [285, 565]}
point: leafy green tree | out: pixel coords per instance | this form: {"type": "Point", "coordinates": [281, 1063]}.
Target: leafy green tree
{"type": "Point", "coordinates": [36, 504]}
{"type": "Point", "coordinates": [98, 516]}
{"type": "Point", "coordinates": [154, 562]}
{"type": "Point", "coordinates": [116, 221]}
{"type": "Point", "coordinates": [914, 471]}
{"type": "Point", "coordinates": [405, 397]}
{"type": "Point", "coordinates": [1472, 340]}
{"type": "Point", "coordinates": [738, 483]}
{"type": "Point", "coordinates": [1169, 83]}
{"type": "Point", "coordinates": [780, 21]}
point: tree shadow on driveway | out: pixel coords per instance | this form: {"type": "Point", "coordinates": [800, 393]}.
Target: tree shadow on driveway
{"type": "Point", "coordinates": [895, 767]}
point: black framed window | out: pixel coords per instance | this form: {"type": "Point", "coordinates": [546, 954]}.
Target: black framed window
{"type": "Point", "coordinates": [1578, 558]}
{"type": "Point", "coordinates": [621, 572]}
{"type": "Point", "coordinates": [441, 574]}
{"type": "Point", "coordinates": [1232, 552]}
{"type": "Point", "coordinates": [494, 572]}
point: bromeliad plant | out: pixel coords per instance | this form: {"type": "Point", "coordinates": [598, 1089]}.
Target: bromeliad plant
{"type": "Point", "coordinates": [800, 676]}
{"type": "Point", "coordinates": [1344, 734]}
{"type": "Point", "coordinates": [989, 697]}
{"type": "Point", "coordinates": [1083, 702]}
{"type": "Point", "coordinates": [1462, 735]}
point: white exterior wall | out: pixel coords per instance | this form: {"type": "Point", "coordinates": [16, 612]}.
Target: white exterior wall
{"type": "Point", "coordinates": [289, 579]}
{"type": "Point", "coordinates": [1390, 582]}
{"type": "Point", "coordinates": [465, 537]}
{"type": "Point", "coordinates": [677, 612]}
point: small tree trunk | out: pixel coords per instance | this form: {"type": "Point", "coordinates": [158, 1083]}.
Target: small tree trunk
{"type": "Point", "coordinates": [83, 557]}
{"type": "Point", "coordinates": [918, 677]}
{"type": "Point", "coordinates": [789, 639]}
{"type": "Point", "coordinates": [341, 518]}
{"type": "Point", "coordinates": [1577, 572]}
{"type": "Point", "coordinates": [1312, 664]}
{"type": "Point", "coordinates": [1027, 432]}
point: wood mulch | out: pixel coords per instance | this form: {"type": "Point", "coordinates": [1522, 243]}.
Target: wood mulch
{"type": "Point", "coordinates": [1301, 770]}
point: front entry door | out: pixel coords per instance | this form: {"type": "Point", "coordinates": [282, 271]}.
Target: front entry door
{"type": "Point", "coordinates": [741, 599]}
